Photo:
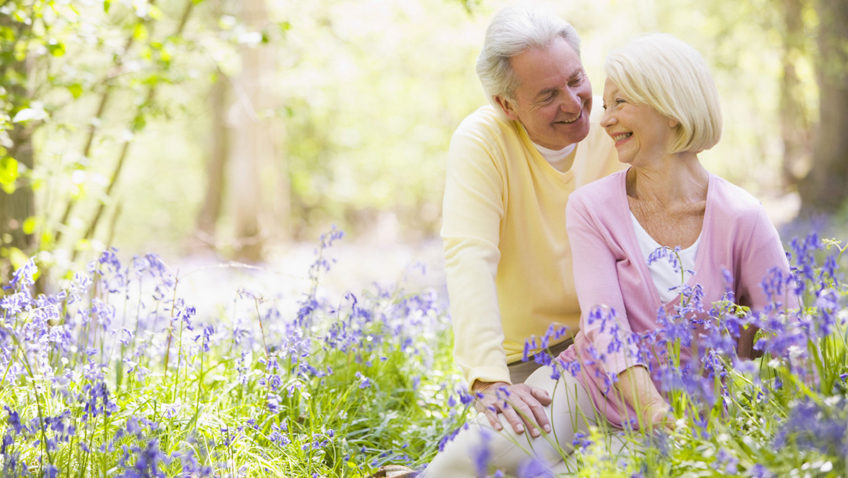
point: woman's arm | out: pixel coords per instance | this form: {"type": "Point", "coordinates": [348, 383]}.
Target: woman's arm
{"type": "Point", "coordinates": [603, 320]}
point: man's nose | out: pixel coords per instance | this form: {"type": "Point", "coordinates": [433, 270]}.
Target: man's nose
{"type": "Point", "coordinates": [571, 102]}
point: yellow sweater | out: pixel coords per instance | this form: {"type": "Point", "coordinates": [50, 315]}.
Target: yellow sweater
{"type": "Point", "coordinates": [507, 257]}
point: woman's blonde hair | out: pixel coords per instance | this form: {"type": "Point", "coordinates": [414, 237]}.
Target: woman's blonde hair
{"type": "Point", "coordinates": [670, 76]}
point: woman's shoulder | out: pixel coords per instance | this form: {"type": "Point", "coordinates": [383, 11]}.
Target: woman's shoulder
{"type": "Point", "coordinates": [731, 199]}
{"type": "Point", "coordinates": [600, 190]}
{"type": "Point", "coordinates": [598, 200]}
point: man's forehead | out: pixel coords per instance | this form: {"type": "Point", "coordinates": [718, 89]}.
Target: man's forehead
{"type": "Point", "coordinates": [541, 84]}
{"type": "Point", "coordinates": [540, 68]}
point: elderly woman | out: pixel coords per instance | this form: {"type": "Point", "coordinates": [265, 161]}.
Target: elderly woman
{"type": "Point", "coordinates": [661, 108]}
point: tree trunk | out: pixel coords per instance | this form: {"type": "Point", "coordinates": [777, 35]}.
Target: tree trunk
{"type": "Point", "coordinates": [210, 210]}
{"type": "Point", "coordinates": [826, 187]}
{"type": "Point", "coordinates": [796, 131]}
{"type": "Point", "coordinates": [251, 139]}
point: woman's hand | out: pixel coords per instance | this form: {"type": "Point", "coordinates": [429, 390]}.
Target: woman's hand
{"type": "Point", "coordinates": [521, 405]}
{"type": "Point", "coordinates": [639, 391]}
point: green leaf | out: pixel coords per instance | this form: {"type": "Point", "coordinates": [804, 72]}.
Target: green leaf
{"type": "Point", "coordinates": [107, 4]}
{"type": "Point", "coordinates": [138, 123]}
{"type": "Point", "coordinates": [75, 89]}
{"type": "Point", "coordinates": [29, 224]}
{"type": "Point", "coordinates": [140, 32]}
{"type": "Point", "coordinates": [8, 174]}
{"type": "Point", "coordinates": [55, 48]}
{"type": "Point", "coordinates": [17, 257]}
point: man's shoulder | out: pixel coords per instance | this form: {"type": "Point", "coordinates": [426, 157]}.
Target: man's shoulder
{"type": "Point", "coordinates": [485, 120]}
{"type": "Point", "coordinates": [487, 134]}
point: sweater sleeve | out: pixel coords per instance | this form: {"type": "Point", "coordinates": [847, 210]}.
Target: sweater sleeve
{"type": "Point", "coordinates": [603, 319]}
{"type": "Point", "coordinates": [762, 255]}
{"type": "Point", "coordinates": [472, 210]}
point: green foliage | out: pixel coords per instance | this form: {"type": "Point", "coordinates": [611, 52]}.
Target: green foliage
{"type": "Point", "coordinates": [117, 373]}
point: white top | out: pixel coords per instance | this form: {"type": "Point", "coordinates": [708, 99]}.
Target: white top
{"type": "Point", "coordinates": [663, 262]}
{"type": "Point", "coordinates": [557, 157]}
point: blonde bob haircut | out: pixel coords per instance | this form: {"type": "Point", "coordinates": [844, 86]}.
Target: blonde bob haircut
{"type": "Point", "coordinates": [670, 76]}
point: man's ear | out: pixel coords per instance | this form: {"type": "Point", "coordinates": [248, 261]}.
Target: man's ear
{"type": "Point", "coordinates": [507, 106]}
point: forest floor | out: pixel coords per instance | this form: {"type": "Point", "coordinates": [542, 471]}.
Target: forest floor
{"type": "Point", "coordinates": [357, 264]}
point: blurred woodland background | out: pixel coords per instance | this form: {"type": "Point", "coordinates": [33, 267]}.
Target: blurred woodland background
{"type": "Point", "coordinates": [178, 126]}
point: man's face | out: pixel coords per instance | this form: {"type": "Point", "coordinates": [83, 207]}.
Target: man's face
{"type": "Point", "coordinates": [553, 99]}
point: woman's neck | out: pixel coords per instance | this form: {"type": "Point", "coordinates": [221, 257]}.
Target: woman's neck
{"type": "Point", "coordinates": [676, 178]}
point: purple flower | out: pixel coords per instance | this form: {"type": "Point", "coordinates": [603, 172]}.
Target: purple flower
{"type": "Point", "coordinates": [14, 421]}
{"type": "Point", "coordinates": [23, 278]}
{"type": "Point", "coordinates": [533, 467]}
{"type": "Point", "coordinates": [759, 471]}
{"type": "Point", "coordinates": [581, 441]}
{"type": "Point", "coordinates": [482, 453]}
{"type": "Point", "coordinates": [725, 463]}
{"type": "Point", "coordinates": [813, 427]}
{"type": "Point", "coordinates": [364, 382]}
{"type": "Point", "coordinates": [663, 252]}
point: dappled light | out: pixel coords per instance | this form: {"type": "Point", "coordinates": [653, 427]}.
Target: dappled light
{"type": "Point", "coordinates": [220, 247]}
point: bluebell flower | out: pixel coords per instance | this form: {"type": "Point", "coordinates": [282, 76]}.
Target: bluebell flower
{"type": "Point", "coordinates": [760, 471]}
{"type": "Point", "coordinates": [533, 467]}
{"type": "Point", "coordinates": [482, 453]}
{"type": "Point", "coordinates": [24, 277]}
{"type": "Point", "coordinates": [726, 463]}
{"type": "Point", "coordinates": [14, 421]}
{"type": "Point", "coordinates": [667, 253]}
{"type": "Point", "coordinates": [581, 441]}
{"type": "Point", "coordinates": [8, 441]}
{"type": "Point", "coordinates": [364, 382]}
{"type": "Point", "coordinates": [813, 427]}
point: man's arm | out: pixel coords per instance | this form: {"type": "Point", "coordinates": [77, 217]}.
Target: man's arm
{"type": "Point", "coordinates": [472, 212]}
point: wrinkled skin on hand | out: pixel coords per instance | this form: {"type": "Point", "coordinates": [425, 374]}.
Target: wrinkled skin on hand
{"type": "Point", "coordinates": [521, 405]}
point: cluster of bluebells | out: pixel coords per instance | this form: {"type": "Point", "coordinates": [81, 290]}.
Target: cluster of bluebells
{"type": "Point", "coordinates": [804, 344]}
{"type": "Point", "coordinates": [106, 369]}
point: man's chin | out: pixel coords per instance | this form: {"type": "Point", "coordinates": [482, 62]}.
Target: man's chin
{"type": "Point", "coordinates": [576, 131]}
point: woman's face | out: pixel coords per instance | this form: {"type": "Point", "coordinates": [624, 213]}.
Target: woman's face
{"type": "Point", "coordinates": [641, 134]}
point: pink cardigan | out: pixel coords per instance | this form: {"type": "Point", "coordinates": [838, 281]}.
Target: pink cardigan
{"type": "Point", "coordinates": [609, 269]}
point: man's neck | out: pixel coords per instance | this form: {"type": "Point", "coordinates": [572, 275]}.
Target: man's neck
{"type": "Point", "coordinates": [560, 159]}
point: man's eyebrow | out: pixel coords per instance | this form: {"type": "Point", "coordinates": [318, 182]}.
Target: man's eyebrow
{"type": "Point", "coordinates": [545, 92]}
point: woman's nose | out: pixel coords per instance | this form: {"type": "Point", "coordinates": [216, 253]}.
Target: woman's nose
{"type": "Point", "coordinates": [607, 119]}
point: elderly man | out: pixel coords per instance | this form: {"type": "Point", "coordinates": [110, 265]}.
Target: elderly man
{"type": "Point", "coordinates": [511, 168]}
